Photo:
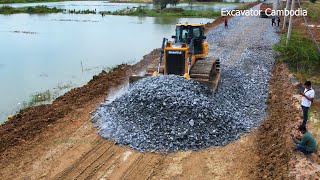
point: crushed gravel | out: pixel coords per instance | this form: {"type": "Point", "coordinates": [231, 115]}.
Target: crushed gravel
{"type": "Point", "coordinates": [168, 113]}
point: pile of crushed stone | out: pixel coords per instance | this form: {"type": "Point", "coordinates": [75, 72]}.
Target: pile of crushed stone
{"type": "Point", "coordinates": [167, 113]}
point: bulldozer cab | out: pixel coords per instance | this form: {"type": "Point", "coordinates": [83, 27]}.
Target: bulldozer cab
{"type": "Point", "coordinates": [184, 33]}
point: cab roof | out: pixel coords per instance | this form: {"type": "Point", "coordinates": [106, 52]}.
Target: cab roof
{"type": "Point", "coordinates": [189, 24]}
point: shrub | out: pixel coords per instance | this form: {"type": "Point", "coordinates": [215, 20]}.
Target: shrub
{"type": "Point", "coordinates": [301, 54]}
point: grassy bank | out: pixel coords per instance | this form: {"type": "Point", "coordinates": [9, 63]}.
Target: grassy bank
{"type": "Point", "coordinates": [313, 10]}
{"type": "Point", "coordinates": [26, 1]}
{"type": "Point", "coordinates": [301, 54]}
{"type": "Point", "coordinates": [173, 12]}
{"type": "Point", "coordinates": [29, 10]}
{"type": "Point", "coordinates": [88, 11]}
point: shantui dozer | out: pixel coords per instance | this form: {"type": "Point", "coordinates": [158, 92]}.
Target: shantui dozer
{"type": "Point", "coordinates": [186, 56]}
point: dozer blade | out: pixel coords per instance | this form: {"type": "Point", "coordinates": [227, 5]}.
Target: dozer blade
{"type": "Point", "coordinates": [133, 79]}
{"type": "Point", "coordinates": [206, 71]}
{"type": "Point", "coordinates": [212, 84]}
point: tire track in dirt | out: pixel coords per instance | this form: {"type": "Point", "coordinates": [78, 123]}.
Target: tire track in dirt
{"type": "Point", "coordinates": [111, 161]}
{"type": "Point", "coordinates": [79, 164]}
{"type": "Point", "coordinates": [145, 168]}
{"type": "Point", "coordinates": [108, 157]}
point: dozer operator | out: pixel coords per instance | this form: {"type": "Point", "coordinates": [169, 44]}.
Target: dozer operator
{"type": "Point", "coordinates": [186, 56]}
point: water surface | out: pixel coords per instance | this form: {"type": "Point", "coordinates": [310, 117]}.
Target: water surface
{"type": "Point", "coordinates": [42, 52]}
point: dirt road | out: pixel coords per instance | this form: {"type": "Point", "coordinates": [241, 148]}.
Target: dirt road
{"type": "Point", "coordinates": [69, 147]}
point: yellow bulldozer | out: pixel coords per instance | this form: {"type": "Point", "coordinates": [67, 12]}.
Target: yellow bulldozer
{"type": "Point", "coordinates": [186, 56]}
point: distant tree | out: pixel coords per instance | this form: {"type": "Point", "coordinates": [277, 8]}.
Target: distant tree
{"type": "Point", "coordinates": [163, 3]}
{"type": "Point", "coordinates": [313, 1]}
{"type": "Point", "coordinates": [190, 2]}
{"type": "Point", "coordinates": [210, 0]}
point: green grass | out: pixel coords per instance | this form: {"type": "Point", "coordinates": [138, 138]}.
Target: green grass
{"type": "Point", "coordinates": [29, 10]}
{"type": "Point", "coordinates": [313, 10]}
{"type": "Point", "coordinates": [46, 96]}
{"type": "Point", "coordinates": [301, 54]}
{"type": "Point", "coordinates": [173, 12]}
{"type": "Point", "coordinates": [38, 98]}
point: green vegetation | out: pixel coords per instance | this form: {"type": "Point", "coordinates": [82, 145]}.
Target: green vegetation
{"type": "Point", "coordinates": [174, 12]}
{"type": "Point", "coordinates": [29, 10]}
{"type": "Point", "coordinates": [245, 6]}
{"type": "Point", "coordinates": [301, 54]}
{"type": "Point", "coordinates": [38, 98]}
{"type": "Point", "coordinates": [313, 1]}
{"type": "Point", "coordinates": [25, 1]}
{"type": "Point", "coordinates": [210, 0]}
{"type": "Point", "coordinates": [46, 96]}
{"type": "Point", "coordinates": [313, 10]}
{"type": "Point", "coordinates": [88, 11]}
{"type": "Point", "coordinates": [163, 3]}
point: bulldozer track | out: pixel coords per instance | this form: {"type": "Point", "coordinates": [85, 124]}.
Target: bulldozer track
{"type": "Point", "coordinates": [78, 163]}
{"type": "Point", "coordinates": [95, 165]}
{"type": "Point", "coordinates": [141, 166]}
{"type": "Point", "coordinates": [105, 160]}
{"type": "Point", "coordinates": [204, 69]}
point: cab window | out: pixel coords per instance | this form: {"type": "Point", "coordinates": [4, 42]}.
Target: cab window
{"type": "Point", "coordinates": [196, 32]}
{"type": "Point", "coordinates": [184, 32]}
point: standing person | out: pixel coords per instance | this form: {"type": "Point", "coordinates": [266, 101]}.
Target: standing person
{"type": "Point", "coordinates": [307, 99]}
{"type": "Point", "coordinates": [226, 23]}
{"type": "Point", "coordinates": [307, 144]}
{"type": "Point", "coordinates": [278, 21]}
{"type": "Point", "coordinates": [273, 21]}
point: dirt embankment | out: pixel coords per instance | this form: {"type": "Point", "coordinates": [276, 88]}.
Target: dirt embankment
{"type": "Point", "coordinates": [274, 144]}
{"type": "Point", "coordinates": [25, 126]}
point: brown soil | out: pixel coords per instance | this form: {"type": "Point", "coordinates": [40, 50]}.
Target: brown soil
{"type": "Point", "coordinates": [274, 143]}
